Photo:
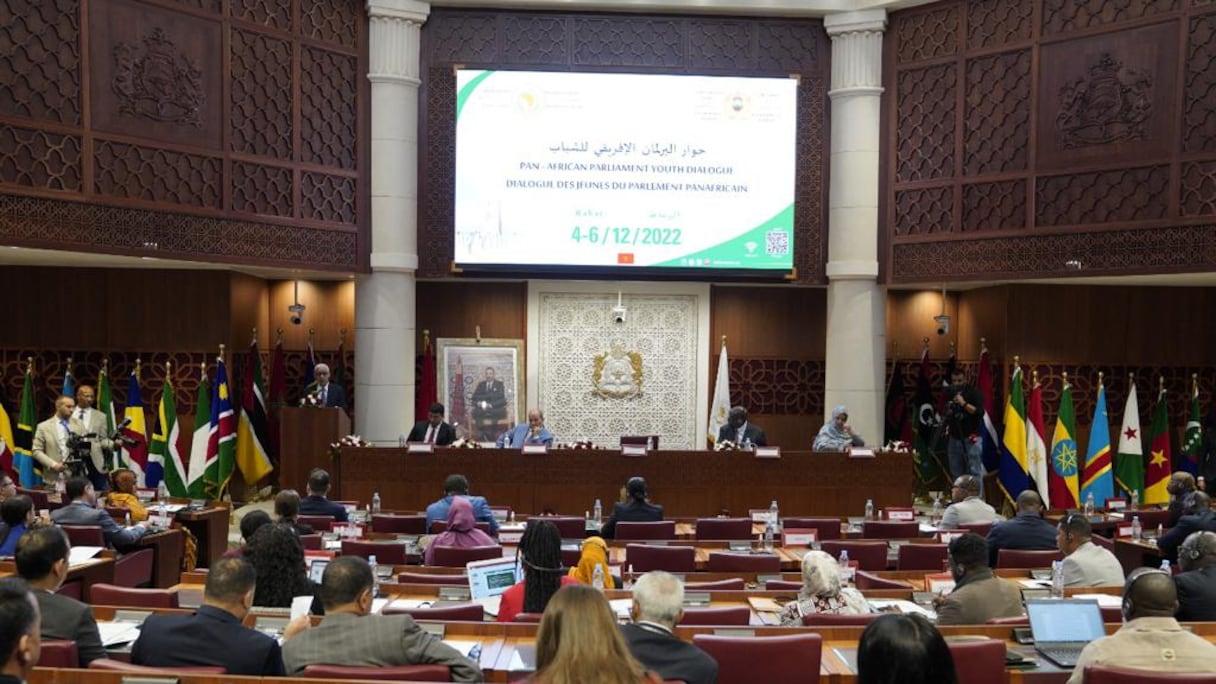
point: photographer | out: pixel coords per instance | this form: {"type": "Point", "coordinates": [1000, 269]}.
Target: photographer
{"type": "Point", "coordinates": [964, 420]}
{"type": "Point", "coordinates": [93, 428]}
{"type": "Point", "coordinates": [53, 440]}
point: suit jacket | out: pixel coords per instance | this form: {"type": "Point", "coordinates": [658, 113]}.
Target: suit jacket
{"type": "Point", "coordinates": [335, 394]}
{"type": "Point", "coordinates": [979, 598]}
{"type": "Point", "coordinates": [210, 637]}
{"type": "Point", "coordinates": [46, 446]}
{"type": "Point", "coordinates": [1024, 532]}
{"type": "Point", "coordinates": [319, 505]}
{"type": "Point", "coordinates": [1173, 538]}
{"type": "Point", "coordinates": [445, 436]}
{"type": "Point", "coordinates": [1092, 566]}
{"type": "Point", "coordinates": [751, 433]}
{"type": "Point", "coordinates": [481, 512]}
{"type": "Point", "coordinates": [94, 423]}
{"type": "Point", "coordinates": [1197, 595]}
{"type": "Point", "coordinates": [970, 510]}
{"type": "Point", "coordinates": [671, 658]}
{"type": "Point", "coordinates": [373, 641]}
{"type": "Point", "coordinates": [68, 619]}
{"type": "Point", "coordinates": [630, 511]}
{"type": "Point", "coordinates": [494, 393]}
{"type": "Point", "coordinates": [80, 513]}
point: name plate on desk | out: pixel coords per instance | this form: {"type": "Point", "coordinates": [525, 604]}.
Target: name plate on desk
{"type": "Point", "coordinates": [534, 449]}
{"type": "Point", "coordinates": [799, 537]}
{"type": "Point", "coordinates": [633, 450]}
{"type": "Point", "coordinates": [1123, 530]}
{"type": "Point", "coordinates": [768, 452]}
{"type": "Point", "coordinates": [509, 536]}
{"type": "Point", "coordinates": [901, 514]}
{"type": "Point", "coordinates": [420, 448]}
{"type": "Point", "coordinates": [696, 598]}
{"type": "Point", "coordinates": [160, 522]}
{"type": "Point", "coordinates": [1116, 504]}
{"type": "Point", "coordinates": [454, 593]}
{"type": "Point", "coordinates": [861, 452]}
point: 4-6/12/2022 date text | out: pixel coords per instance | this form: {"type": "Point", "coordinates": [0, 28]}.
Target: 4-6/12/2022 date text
{"type": "Point", "coordinates": [624, 235]}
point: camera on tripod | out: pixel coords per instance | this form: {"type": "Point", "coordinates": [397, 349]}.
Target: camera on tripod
{"type": "Point", "coordinates": [80, 448]}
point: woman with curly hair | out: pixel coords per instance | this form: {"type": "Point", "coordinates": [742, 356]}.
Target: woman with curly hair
{"type": "Point", "coordinates": [123, 494]}
{"type": "Point", "coordinates": [278, 558]}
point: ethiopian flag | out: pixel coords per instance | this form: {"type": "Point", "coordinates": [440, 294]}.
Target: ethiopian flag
{"type": "Point", "coordinates": [1063, 476]}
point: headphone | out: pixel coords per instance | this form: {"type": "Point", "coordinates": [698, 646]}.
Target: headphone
{"type": "Point", "coordinates": [1193, 548]}
{"type": "Point", "coordinates": [1128, 604]}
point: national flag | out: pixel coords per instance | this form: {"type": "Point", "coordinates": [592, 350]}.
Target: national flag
{"type": "Point", "coordinates": [277, 397]}
{"type": "Point", "coordinates": [221, 442]}
{"type": "Point", "coordinates": [135, 450]}
{"type": "Point", "coordinates": [1157, 471]}
{"type": "Point", "coordinates": [7, 445]}
{"type": "Point", "coordinates": [198, 443]}
{"type": "Point", "coordinates": [1036, 447]}
{"type": "Point", "coordinates": [427, 391]}
{"type": "Point", "coordinates": [339, 375]}
{"type": "Point", "coordinates": [253, 433]}
{"type": "Point", "coordinates": [69, 387]}
{"type": "Point", "coordinates": [164, 458]}
{"type": "Point", "coordinates": [1096, 476]}
{"type": "Point", "coordinates": [719, 408]}
{"type": "Point", "coordinates": [928, 465]}
{"type": "Point", "coordinates": [1014, 475]}
{"type": "Point", "coordinates": [990, 437]}
{"type": "Point", "coordinates": [29, 471]}
{"type": "Point", "coordinates": [1129, 459]}
{"type": "Point", "coordinates": [105, 404]}
{"type": "Point", "coordinates": [897, 427]}
{"type": "Point", "coordinates": [457, 411]}
{"type": "Point", "coordinates": [1192, 439]}
{"type": "Point", "coordinates": [1065, 491]}
{"type": "Point", "coordinates": [310, 368]}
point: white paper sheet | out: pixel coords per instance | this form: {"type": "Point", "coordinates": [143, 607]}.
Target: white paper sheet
{"type": "Point", "coordinates": [80, 554]}
{"type": "Point", "coordinates": [114, 633]}
{"type": "Point", "coordinates": [904, 606]}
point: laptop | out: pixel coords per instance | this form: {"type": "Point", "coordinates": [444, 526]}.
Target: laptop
{"type": "Point", "coordinates": [316, 569]}
{"type": "Point", "coordinates": [488, 579]}
{"type": "Point", "coordinates": [1062, 627]}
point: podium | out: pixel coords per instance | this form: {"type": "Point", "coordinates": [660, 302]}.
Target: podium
{"type": "Point", "coordinates": [304, 438]}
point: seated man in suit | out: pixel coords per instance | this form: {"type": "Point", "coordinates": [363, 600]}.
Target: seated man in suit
{"type": "Point", "coordinates": [317, 501]}
{"type": "Point", "coordinates": [20, 645]}
{"type": "Point", "coordinates": [213, 636]}
{"type": "Point", "coordinates": [433, 430]}
{"type": "Point", "coordinates": [968, 507]}
{"type": "Point", "coordinates": [458, 485]}
{"type": "Point", "coordinates": [635, 508]}
{"type": "Point", "coordinates": [533, 432]}
{"type": "Point", "coordinates": [1197, 581]}
{"type": "Point", "coordinates": [1197, 516]}
{"type": "Point", "coordinates": [83, 511]}
{"type": "Point", "coordinates": [658, 604]}
{"type": "Point", "coordinates": [42, 560]}
{"type": "Point", "coordinates": [1180, 485]}
{"type": "Point", "coordinates": [979, 595]}
{"type": "Point", "coordinates": [740, 432]}
{"type": "Point", "coordinates": [1085, 563]}
{"type": "Point", "coordinates": [1026, 531]}
{"type": "Point", "coordinates": [330, 394]}
{"type": "Point", "coordinates": [349, 635]}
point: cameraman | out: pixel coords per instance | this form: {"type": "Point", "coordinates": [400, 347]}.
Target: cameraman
{"type": "Point", "coordinates": [964, 420]}
{"type": "Point", "coordinates": [52, 438]}
{"type": "Point", "coordinates": [93, 426]}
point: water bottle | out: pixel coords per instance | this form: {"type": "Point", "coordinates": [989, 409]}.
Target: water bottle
{"type": "Point", "coordinates": [844, 558]}
{"type": "Point", "coordinates": [599, 513]}
{"type": "Point", "coordinates": [1089, 505]}
{"type": "Point", "coordinates": [768, 537]}
{"type": "Point", "coordinates": [937, 509]}
{"type": "Point", "coordinates": [401, 440]}
{"type": "Point", "coordinates": [774, 515]}
{"type": "Point", "coordinates": [506, 439]}
{"type": "Point", "coordinates": [597, 577]}
{"type": "Point", "coordinates": [371, 562]}
{"type": "Point", "coordinates": [61, 484]}
{"type": "Point", "coordinates": [1160, 530]}
{"type": "Point", "coordinates": [1137, 531]}
{"type": "Point", "coordinates": [628, 578]}
{"type": "Point", "coordinates": [869, 509]}
{"type": "Point", "coordinates": [1057, 579]}
{"type": "Point", "coordinates": [1135, 499]}
{"type": "Point", "coordinates": [162, 491]}
{"type": "Point", "coordinates": [375, 503]}
{"type": "Point", "coordinates": [126, 519]}
{"type": "Point", "coordinates": [1165, 567]}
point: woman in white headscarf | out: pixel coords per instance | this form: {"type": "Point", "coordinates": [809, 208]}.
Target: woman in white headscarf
{"type": "Point", "coordinates": [821, 591]}
{"type": "Point", "coordinates": [836, 435]}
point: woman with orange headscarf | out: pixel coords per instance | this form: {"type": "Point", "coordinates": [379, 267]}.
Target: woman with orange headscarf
{"type": "Point", "coordinates": [595, 554]}
{"type": "Point", "coordinates": [122, 494]}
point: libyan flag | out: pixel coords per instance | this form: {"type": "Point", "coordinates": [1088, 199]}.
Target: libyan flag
{"type": "Point", "coordinates": [928, 466]}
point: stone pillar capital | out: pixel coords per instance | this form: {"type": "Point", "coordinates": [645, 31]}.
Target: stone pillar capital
{"type": "Point", "coordinates": [407, 10]}
{"type": "Point", "coordinates": [856, 52]}
{"type": "Point", "coordinates": [393, 40]}
{"type": "Point", "coordinates": [863, 21]}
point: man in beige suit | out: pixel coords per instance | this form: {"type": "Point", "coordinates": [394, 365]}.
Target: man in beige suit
{"type": "Point", "coordinates": [93, 422]}
{"type": "Point", "coordinates": [978, 594]}
{"type": "Point", "coordinates": [51, 439]}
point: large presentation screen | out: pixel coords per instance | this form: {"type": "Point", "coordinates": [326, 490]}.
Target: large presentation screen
{"type": "Point", "coordinates": [622, 171]}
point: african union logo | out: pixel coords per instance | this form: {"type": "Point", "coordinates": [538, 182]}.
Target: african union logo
{"type": "Point", "coordinates": [1064, 455]}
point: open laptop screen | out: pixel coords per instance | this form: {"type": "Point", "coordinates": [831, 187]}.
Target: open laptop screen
{"type": "Point", "coordinates": [1060, 620]}
{"type": "Point", "coordinates": [492, 577]}
{"type": "Point", "coordinates": [316, 569]}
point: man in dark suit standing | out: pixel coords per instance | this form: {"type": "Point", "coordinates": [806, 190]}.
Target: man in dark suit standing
{"type": "Point", "coordinates": [317, 502]}
{"type": "Point", "coordinates": [636, 508]}
{"type": "Point", "coordinates": [658, 604]}
{"type": "Point", "coordinates": [331, 395]}
{"type": "Point", "coordinates": [214, 636]}
{"type": "Point", "coordinates": [741, 432]}
{"type": "Point", "coordinates": [433, 430]}
{"type": "Point", "coordinates": [42, 560]}
{"type": "Point", "coordinates": [1197, 581]}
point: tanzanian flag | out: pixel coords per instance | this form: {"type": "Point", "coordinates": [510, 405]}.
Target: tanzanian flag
{"type": "Point", "coordinates": [1096, 477]}
{"type": "Point", "coordinates": [29, 471]}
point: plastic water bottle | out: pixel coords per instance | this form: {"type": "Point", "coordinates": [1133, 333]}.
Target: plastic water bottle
{"type": "Point", "coordinates": [628, 578]}
{"type": "Point", "coordinates": [774, 515]}
{"type": "Point", "coordinates": [1057, 579]}
{"type": "Point", "coordinates": [162, 491]}
{"type": "Point", "coordinates": [869, 509]}
{"type": "Point", "coordinates": [768, 536]}
{"type": "Point", "coordinates": [1089, 505]}
{"type": "Point", "coordinates": [844, 558]}
{"type": "Point", "coordinates": [597, 577]}
{"type": "Point", "coordinates": [1137, 531]}
{"type": "Point", "coordinates": [126, 519]}
{"type": "Point", "coordinates": [599, 514]}
{"type": "Point", "coordinates": [61, 484]}
{"type": "Point", "coordinates": [1165, 567]}
{"type": "Point", "coordinates": [401, 440]}
{"type": "Point", "coordinates": [506, 439]}
{"type": "Point", "coordinates": [937, 509]}
{"type": "Point", "coordinates": [375, 502]}
{"type": "Point", "coordinates": [1135, 499]}
{"type": "Point", "coordinates": [371, 562]}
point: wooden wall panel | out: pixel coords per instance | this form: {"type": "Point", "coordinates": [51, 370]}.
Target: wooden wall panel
{"type": "Point", "coordinates": [451, 309]}
{"type": "Point", "coordinates": [910, 320]}
{"type": "Point", "coordinates": [330, 308]}
{"type": "Point", "coordinates": [249, 307]}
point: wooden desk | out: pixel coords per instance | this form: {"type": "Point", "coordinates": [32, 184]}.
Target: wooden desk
{"type": "Point", "coordinates": [167, 548]}
{"type": "Point", "coordinates": [210, 527]}
{"type": "Point", "coordinates": [98, 570]}
{"type": "Point", "coordinates": [1134, 554]}
{"type": "Point", "coordinates": [687, 483]}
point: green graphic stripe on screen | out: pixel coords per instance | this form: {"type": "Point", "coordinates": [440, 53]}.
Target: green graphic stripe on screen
{"type": "Point", "coordinates": [734, 252]}
{"type": "Point", "coordinates": [463, 96]}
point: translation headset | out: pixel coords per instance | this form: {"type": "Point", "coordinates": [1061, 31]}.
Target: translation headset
{"type": "Point", "coordinates": [1138, 573]}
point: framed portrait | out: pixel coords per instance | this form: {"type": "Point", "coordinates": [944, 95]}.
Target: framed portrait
{"type": "Point", "coordinates": [481, 382]}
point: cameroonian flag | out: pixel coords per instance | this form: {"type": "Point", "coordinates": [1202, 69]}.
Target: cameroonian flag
{"type": "Point", "coordinates": [165, 459]}
{"type": "Point", "coordinates": [1014, 476]}
{"type": "Point", "coordinates": [221, 443]}
{"type": "Point", "coordinates": [1065, 492]}
{"type": "Point", "coordinates": [253, 432]}
{"type": "Point", "coordinates": [1096, 477]}
{"type": "Point", "coordinates": [1129, 459]}
{"type": "Point", "coordinates": [28, 470]}
{"type": "Point", "coordinates": [1157, 472]}
{"type": "Point", "coordinates": [198, 444]}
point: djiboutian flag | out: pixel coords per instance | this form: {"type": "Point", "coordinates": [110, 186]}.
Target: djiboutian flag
{"type": "Point", "coordinates": [1036, 448]}
{"type": "Point", "coordinates": [198, 443]}
{"type": "Point", "coordinates": [253, 432]}
{"type": "Point", "coordinates": [720, 406]}
{"type": "Point", "coordinates": [1129, 459]}
{"type": "Point", "coordinates": [1065, 492]}
{"type": "Point", "coordinates": [221, 442]}
{"type": "Point", "coordinates": [135, 456]}
{"type": "Point", "coordinates": [1096, 477]}
{"type": "Point", "coordinates": [164, 458]}
{"type": "Point", "coordinates": [1157, 472]}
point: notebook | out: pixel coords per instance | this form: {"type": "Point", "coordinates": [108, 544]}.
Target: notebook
{"type": "Point", "coordinates": [1062, 627]}
{"type": "Point", "coordinates": [488, 579]}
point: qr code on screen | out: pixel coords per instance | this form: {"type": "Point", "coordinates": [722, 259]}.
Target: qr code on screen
{"type": "Point", "coordinates": [776, 243]}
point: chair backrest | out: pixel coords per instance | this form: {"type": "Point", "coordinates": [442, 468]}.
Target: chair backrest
{"type": "Point", "coordinates": [644, 558]}
{"type": "Point", "coordinates": [982, 529]}
{"type": "Point", "coordinates": [319, 523]}
{"type": "Point", "coordinates": [458, 556]}
{"type": "Point", "coordinates": [56, 653]}
{"type": "Point", "coordinates": [570, 526]}
{"type": "Point", "coordinates": [890, 529]}
{"type": "Point", "coordinates": [978, 662]}
{"type": "Point", "coordinates": [743, 562]}
{"type": "Point", "coordinates": [1105, 674]}
{"type": "Point", "coordinates": [826, 528]}
{"type": "Point", "coordinates": [399, 524]}
{"type": "Point", "coordinates": [400, 673]}
{"type": "Point", "coordinates": [641, 531]}
{"type": "Point", "coordinates": [1019, 558]}
{"type": "Point", "coordinates": [864, 580]}
{"type": "Point", "coordinates": [921, 557]}
{"type": "Point", "coordinates": [311, 542]}
{"type": "Point", "coordinates": [463, 612]}
{"type": "Point", "coordinates": [114, 595]}
{"type": "Point", "coordinates": [743, 660]}
{"type": "Point", "coordinates": [869, 555]}
{"type": "Point", "coordinates": [732, 584]}
{"type": "Point", "coordinates": [84, 535]}
{"type": "Point", "coordinates": [386, 552]}
{"type": "Point", "coordinates": [838, 620]}
{"type": "Point", "coordinates": [717, 615]}
{"type": "Point", "coordinates": [724, 528]}
{"type": "Point", "coordinates": [571, 556]}
{"type": "Point", "coordinates": [782, 585]}
{"type": "Point", "coordinates": [123, 666]}
{"type": "Point", "coordinates": [528, 617]}
{"type": "Point", "coordinates": [39, 497]}
{"type": "Point", "coordinates": [72, 589]}
{"type": "Point", "coordinates": [427, 578]}
{"type": "Point", "coordinates": [1105, 542]}
{"type": "Point", "coordinates": [442, 526]}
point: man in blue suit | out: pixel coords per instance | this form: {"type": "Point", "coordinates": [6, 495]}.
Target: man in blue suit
{"type": "Point", "coordinates": [83, 511]}
{"type": "Point", "coordinates": [458, 485]}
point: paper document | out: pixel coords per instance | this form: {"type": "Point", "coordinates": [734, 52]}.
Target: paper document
{"type": "Point", "coordinates": [490, 604]}
{"type": "Point", "coordinates": [115, 633]}
{"type": "Point", "coordinates": [465, 647]}
{"type": "Point", "coordinates": [1104, 600]}
{"type": "Point", "coordinates": [621, 607]}
{"type": "Point", "coordinates": [763, 604]}
{"type": "Point", "coordinates": [80, 554]}
{"type": "Point", "coordinates": [300, 605]}
{"type": "Point", "coordinates": [904, 606]}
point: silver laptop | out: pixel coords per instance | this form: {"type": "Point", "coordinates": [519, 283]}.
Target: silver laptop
{"type": "Point", "coordinates": [488, 579]}
{"type": "Point", "coordinates": [1062, 627]}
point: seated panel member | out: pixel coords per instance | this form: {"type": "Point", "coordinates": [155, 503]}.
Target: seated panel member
{"type": "Point", "coordinates": [349, 635]}
{"type": "Point", "coordinates": [213, 636]}
{"type": "Point", "coordinates": [739, 431]}
{"type": "Point", "coordinates": [42, 560]}
{"type": "Point", "coordinates": [317, 502]}
{"type": "Point", "coordinates": [658, 605]}
{"type": "Point", "coordinates": [433, 430]}
{"type": "Point", "coordinates": [1085, 563]}
{"type": "Point", "coordinates": [837, 434]}
{"type": "Point", "coordinates": [635, 508]}
{"type": "Point", "coordinates": [83, 511]}
{"type": "Point", "coordinates": [1197, 581]}
{"type": "Point", "coordinates": [968, 507]}
{"type": "Point", "coordinates": [458, 485]}
{"type": "Point", "coordinates": [20, 645]}
{"type": "Point", "coordinates": [534, 432]}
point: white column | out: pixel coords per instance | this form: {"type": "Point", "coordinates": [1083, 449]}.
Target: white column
{"type": "Point", "coordinates": [385, 316]}
{"type": "Point", "coordinates": [856, 327]}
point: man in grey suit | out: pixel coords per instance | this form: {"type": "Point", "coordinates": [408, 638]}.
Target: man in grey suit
{"type": "Point", "coordinates": [968, 508]}
{"type": "Point", "coordinates": [42, 560]}
{"type": "Point", "coordinates": [1085, 563]}
{"type": "Point", "coordinates": [83, 511]}
{"type": "Point", "coordinates": [978, 594]}
{"type": "Point", "coordinates": [93, 422]}
{"type": "Point", "coordinates": [50, 448]}
{"type": "Point", "coordinates": [350, 636]}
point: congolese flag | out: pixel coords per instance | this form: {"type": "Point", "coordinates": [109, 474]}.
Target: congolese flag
{"type": "Point", "coordinates": [1013, 472]}
{"type": "Point", "coordinates": [1065, 492]}
{"type": "Point", "coordinates": [1096, 477]}
{"type": "Point", "coordinates": [7, 445]}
